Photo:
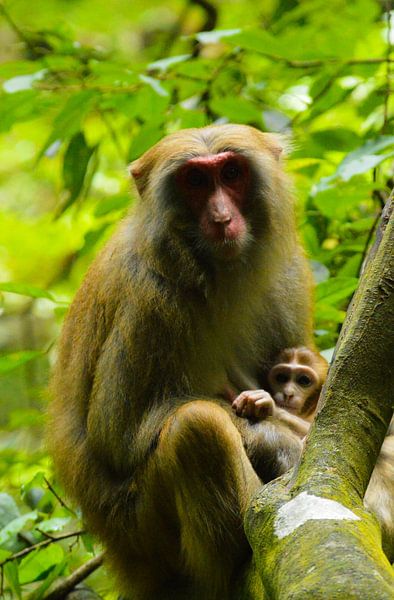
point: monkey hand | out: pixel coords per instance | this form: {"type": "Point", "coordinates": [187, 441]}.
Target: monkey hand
{"type": "Point", "coordinates": [254, 404]}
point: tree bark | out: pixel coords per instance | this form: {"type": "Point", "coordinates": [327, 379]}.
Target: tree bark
{"type": "Point", "coordinates": [310, 534]}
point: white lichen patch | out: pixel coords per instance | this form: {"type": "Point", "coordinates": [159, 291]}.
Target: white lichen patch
{"type": "Point", "coordinates": [306, 507]}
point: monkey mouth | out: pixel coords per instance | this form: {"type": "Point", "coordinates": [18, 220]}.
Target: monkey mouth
{"type": "Point", "coordinates": [228, 248]}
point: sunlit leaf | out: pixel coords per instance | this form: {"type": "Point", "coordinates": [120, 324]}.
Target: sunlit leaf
{"type": "Point", "coordinates": [145, 138]}
{"type": "Point", "coordinates": [25, 289]}
{"type": "Point", "coordinates": [215, 36]}
{"type": "Point", "coordinates": [8, 509]}
{"type": "Point", "coordinates": [22, 82]}
{"type": "Point", "coordinates": [51, 576]}
{"type": "Point", "coordinates": [75, 164]}
{"type": "Point", "coordinates": [236, 109]}
{"type": "Point", "coordinates": [19, 67]}
{"type": "Point", "coordinates": [21, 106]}
{"type": "Point", "coordinates": [39, 562]}
{"type": "Point", "coordinates": [12, 575]}
{"type": "Point", "coordinates": [55, 524]}
{"type": "Point", "coordinates": [166, 63]}
{"type": "Point", "coordinates": [257, 40]}
{"type": "Point", "coordinates": [111, 204]}
{"type": "Point", "coordinates": [16, 525]}
{"type": "Point", "coordinates": [155, 85]}
{"type": "Point", "coordinates": [336, 290]}
{"type": "Point", "coordinates": [360, 165]}
{"type": "Point", "coordinates": [9, 362]}
{"type": "Point", "coordinates": [69, 120]}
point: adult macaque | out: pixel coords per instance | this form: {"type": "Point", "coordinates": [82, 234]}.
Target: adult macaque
{"type": "Point", "coordinates": [295, 382]}
{"type": "Point", "coordinates": [205, 280]}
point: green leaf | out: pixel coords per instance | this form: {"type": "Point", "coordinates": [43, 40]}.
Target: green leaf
{"type": "Point", "coordinates": [340, 138]}
{"type": "Point", "coordinates": [38, 562]}
{"type": "Point", "coordinates": [155, 84]}
{"type": "Point", "coordinates": [235, 109]}
{"type": "Point", "coordinates": [371, 147]}
{"type": "Point", "coordinates": [166, 63]}
{"type": "Point", "coordinates": [15, 526]}
{"type": "Point", "coordinates": [19, 67]}
{"type": "Point", "coordinates": [88, 542]}
{"type": "Point", "coordinates": [12, 574]}
{"type": "Point", "coordinates": [4, 554]}
{"type": "Point", "coordinates": [336, 201]}
{"type": "Point", "coordinates": [55, 524]}
{"type": "Point", "coordinates": [216, 35]}
{"type": "Point", "coordinates": [69, 120]}
{"type": "Point", "coordinates": [365, 158]}
{"type": "Point", "coordinates": [9, 362]}
{"type": "Point", "coordinates": [8, 509]}
{"type": "Point", "coordinates": [112, 73]}
{"type": "Point", "coordinates": [21, 106]}
{"type": "Point", "coordinates": [23, 82]}
{"type": "Point", "coordinates": [25, 289]}
{"type": "Point", "coordinates": [350, 168]}
{"type": "Point", "coordinates": [54, 573]}
{"type": "Point", "coordinates": [325, 313]}
{"type": "Point", "coordinates": [336, 290]}
{"type": "Point", "coordinates": [257, 40]}
{"type": "Point", "coordinates": [147, 136]}
{"type": "Point", "coordinates": [75, 164]}
{"type": "Point", "coordinates": [108, 205]}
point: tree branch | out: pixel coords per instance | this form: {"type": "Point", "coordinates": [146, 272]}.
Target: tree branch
{"type": "Point", "coordinates": [42, 544]}
{"type": "Point", "coordinates": [310, 534]}
{"type": "Point", "coordinates": [69, 583]}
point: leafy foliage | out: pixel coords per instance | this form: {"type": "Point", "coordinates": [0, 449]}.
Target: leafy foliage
{"type": "Point", "coordinates": [74, 110]}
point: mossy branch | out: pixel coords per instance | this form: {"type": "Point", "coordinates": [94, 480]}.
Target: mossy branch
{"type": "Point", "coordinates": [309, 531]}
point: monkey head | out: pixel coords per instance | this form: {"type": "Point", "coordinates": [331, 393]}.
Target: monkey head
{"type": "Point", "coordinates": [296, 380]}
{"type": "Point", "coordinates": [218, 187]}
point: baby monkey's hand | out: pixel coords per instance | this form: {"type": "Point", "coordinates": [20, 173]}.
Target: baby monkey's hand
{"type": "Point", "coordinates": [254, 404]}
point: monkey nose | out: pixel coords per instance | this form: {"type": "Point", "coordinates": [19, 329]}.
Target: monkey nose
{"type": "Point", "coordinates": [222, 219]}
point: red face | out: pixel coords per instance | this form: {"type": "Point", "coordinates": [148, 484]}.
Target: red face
{"type": "Point", "coordinates": [215, 187]}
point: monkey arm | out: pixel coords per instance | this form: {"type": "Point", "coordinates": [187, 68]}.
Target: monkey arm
{"type": "Point", "coordinates": [296, 424]}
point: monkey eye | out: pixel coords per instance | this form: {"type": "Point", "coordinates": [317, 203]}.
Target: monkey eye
{"type": "Point", "coordinates": [304, 380]}
{"type": "Point", "coordinates": [282, 378]}
{"type": "Point", "coordinates": [196, 178]}
{"type": "Point", "coordinates": [231, 171]}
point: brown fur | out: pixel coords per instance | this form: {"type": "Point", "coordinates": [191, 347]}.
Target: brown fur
{"type": "Point", "coordinates": [159, 464]}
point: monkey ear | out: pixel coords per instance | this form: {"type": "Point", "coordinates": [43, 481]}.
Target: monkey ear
{"type": "Point", "coordinates": [278, 144]}
{"type": "Point", "coordinates": [138, 173]}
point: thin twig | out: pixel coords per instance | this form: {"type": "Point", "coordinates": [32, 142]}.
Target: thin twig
{"type": "Point", "coordinates": [58, 498]}
{"type": "Point", "coordinates": [42, 544]}
{"type": "Point", "coordinates": [68, 584]}
{"type": "Point", "coordinates": [20, 34]}
{"type": "Point", "coordinates": [310, 64]}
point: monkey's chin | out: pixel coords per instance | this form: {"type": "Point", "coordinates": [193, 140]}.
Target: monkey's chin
{"type": "Point", "coordinates": [228, 249]}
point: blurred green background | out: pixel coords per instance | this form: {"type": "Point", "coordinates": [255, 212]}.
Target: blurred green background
{"type": "Point", "coordinates": [86, 87]}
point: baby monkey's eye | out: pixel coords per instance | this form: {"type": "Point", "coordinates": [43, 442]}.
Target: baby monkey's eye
{"type": "Point", "coordinates": [304, 380]}
{"type": "Point", "coordinates": [282, 378]}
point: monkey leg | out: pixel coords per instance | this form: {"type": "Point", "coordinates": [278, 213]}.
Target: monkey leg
{"type": "Point", "coordinates": [190, 514]}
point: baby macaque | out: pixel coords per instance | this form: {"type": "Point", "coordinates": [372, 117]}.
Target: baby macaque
{"type": "Point", "coordinates": [295, 382]}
